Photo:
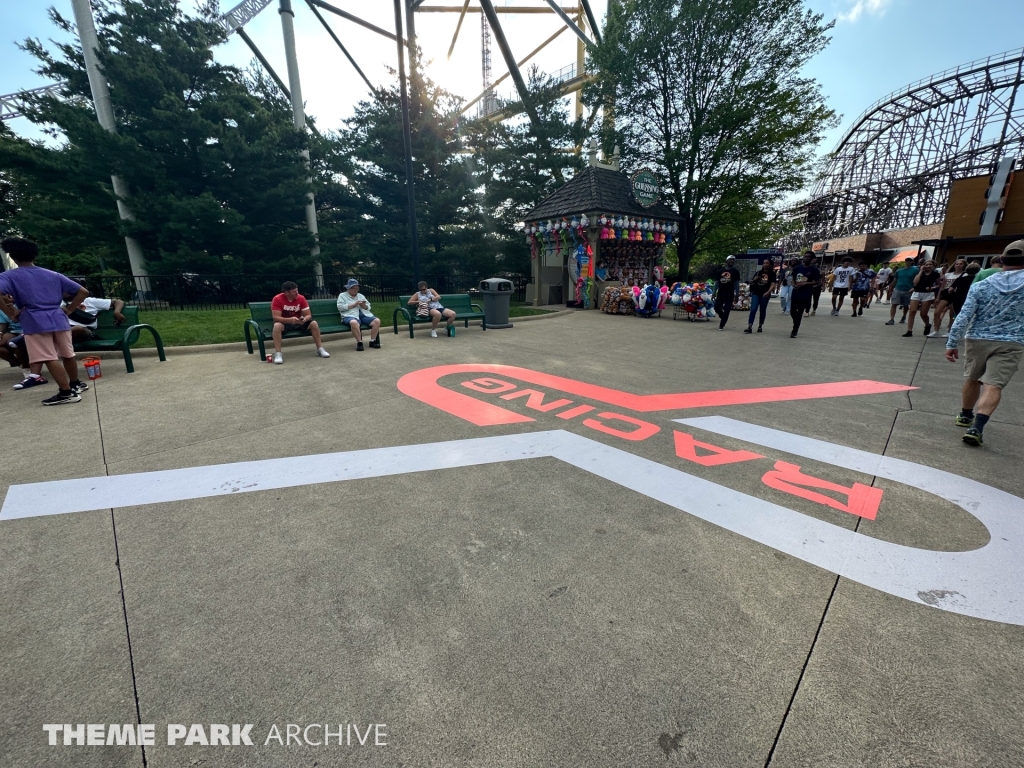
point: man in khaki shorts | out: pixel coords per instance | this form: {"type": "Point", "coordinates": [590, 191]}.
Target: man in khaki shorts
{"type": "Point", "coordinates": [992, 326]}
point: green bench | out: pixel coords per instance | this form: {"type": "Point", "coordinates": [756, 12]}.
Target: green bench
{"type": "Point", "coordinates": [120, 337]}
{"type": "Point", "coordinates": [261, 322]}
{"type": "Point", "coordinates": [459, 302]}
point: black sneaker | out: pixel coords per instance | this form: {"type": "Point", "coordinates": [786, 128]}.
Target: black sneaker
{"type": "Point", "coordinates": [860, 311]}
{"type": "Point", "coordinates": [973, 437]}
{"type": "Point", "coordinates": [792, 335]}
{"type": "Point", "coordinates": [908, 334]}
{"type": "Point", "coordinates": [359, 346]}
{"type": "Point", "coordinates": [375, 343]}
{"type": "Point", "coordinates": [78, 387]}
{"type": "Point", "coordinates": [927, 328]}
{"type": "Point", "coordinates": [30, 381]}
{"type": "Point", "coordinates": [63, 397]}
{"type": "Point", "coordinates": [748, 329]}
{"type": "Point", "coordinates": [759, 329]}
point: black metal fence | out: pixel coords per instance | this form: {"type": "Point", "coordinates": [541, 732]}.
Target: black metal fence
{"type": "Point", "coordinates": [190, 291]}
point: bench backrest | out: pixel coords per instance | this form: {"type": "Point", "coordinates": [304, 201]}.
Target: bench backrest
{"type": "Point", "coordinates": [105, 328]}
{"type": "Point", "coordinates": [459, 302]}
{"type": "Point", "coordinates": [325, 312]}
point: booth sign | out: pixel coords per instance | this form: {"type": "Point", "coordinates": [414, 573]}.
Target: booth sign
{"type": "Point", "coordinates": [645, 187]}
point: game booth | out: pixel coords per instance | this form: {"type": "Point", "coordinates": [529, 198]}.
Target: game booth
{"type": "Point", "coordinates": [599, 239]}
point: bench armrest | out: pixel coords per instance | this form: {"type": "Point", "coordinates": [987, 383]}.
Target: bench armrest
{"type": "Point", "coordinates": [131, 335]}
{"type": "Point", "coordinates": [477, 307]}
{"type": "Point", "coordinates": [250, 323]}
{"type": "Point", "coordinates": [405, 315]}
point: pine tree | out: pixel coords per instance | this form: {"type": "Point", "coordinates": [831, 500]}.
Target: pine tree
{"type": "Point", "coordinates": [210, 156]}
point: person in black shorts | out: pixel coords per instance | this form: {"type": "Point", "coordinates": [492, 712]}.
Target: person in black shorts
{"type": "Point", "coordinates": [805, 277]}
{"type": "Point", "coordinates": [728, 280]}
{"type": "Point", "coordinates": [945, 300]}
{"type": "Point", "coordinates": [860, 292]}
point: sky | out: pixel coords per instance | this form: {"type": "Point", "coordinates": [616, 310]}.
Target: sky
{"type": "Point", "coordinates": [878, 46]}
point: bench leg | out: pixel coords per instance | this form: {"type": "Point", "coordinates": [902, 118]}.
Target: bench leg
{"type": "Point", "coordinates": [127, 352]}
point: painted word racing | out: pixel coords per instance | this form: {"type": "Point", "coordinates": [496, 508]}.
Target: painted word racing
{"type": "Point", "coordinates": [217, 735]}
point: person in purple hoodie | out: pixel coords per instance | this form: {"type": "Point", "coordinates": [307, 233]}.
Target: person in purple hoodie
{"type": "Point", "coordinates": [37, 294]}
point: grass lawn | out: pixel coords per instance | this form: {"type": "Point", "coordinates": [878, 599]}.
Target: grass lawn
{"type": "Point", "coordinates": [180, 328]}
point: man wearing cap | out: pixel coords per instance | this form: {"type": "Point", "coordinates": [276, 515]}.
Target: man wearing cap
{"type": "Point", "coordinates": [728, 280]}
{"type": "Point", "coordinates": [355, 311]}
{"type": "Point", "coordinates": [992, 326]}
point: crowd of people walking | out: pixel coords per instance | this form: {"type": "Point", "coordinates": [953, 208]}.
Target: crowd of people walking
{"type": "Point", "coordinates": [983, 310]}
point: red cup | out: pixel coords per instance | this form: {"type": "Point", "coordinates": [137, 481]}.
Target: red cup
{"type": "Point", "coordinates": [92, 368]}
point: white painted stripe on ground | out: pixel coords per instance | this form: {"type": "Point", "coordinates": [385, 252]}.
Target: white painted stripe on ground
{"type": "Point", "coordinates": [81, 495]}
{"type": "Point", "coordinates": [984, 582]}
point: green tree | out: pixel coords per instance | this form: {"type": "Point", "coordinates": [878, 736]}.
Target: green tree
{"type": "Point", "coordinates": [711, 94]}
{"type": "Point", "coordinates": [520, 164]}
{"type": "Point", "coordinates": [211, 159]}
{"type": "Point", "coordinates": [364, 164]}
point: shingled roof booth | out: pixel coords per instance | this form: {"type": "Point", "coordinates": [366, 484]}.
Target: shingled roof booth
{"type": "Point", "coordinates": [603, 228]}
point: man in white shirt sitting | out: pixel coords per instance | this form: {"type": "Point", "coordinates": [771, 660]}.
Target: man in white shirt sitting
{"type": "Point", "coordinates": [83, 320]}
{"type": "Point", "coordinates": [355, 311]}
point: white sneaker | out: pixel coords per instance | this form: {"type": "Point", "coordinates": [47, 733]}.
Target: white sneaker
{"type": "Point", "coordinates": [278, 358]}
{"type": "Point", "coordinates": [321, 352]}
{"type": "Point", "coordinates": [933, 335]}
{"type": "Point", "coordinates": [433, 334]}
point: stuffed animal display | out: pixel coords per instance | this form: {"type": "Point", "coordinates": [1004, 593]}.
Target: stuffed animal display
{"type": "Point", "coordinates": [618, 300]}
{"type": "Point", "coordinates": [649, 300]}
{"type": "Point", "coordinates": [743, 302]}
{"type": "Point", "coordinates": [694, 299]}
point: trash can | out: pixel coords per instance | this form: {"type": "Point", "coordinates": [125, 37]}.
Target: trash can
{"type": "Point", "coordinates": [496, 292]}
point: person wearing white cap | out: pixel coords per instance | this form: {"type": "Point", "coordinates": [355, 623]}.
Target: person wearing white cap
{"type": "Point", "coordinates": [355, 311]}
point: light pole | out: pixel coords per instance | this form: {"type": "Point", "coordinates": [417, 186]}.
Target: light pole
{"type": "Point", "coordinates": [407, 136]}
{"type": "Point", "coordinates": [299, 119]}
{"type": "Point", "coordinates": [105, 116]}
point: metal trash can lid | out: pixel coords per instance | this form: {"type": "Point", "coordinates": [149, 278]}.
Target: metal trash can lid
{"type": "Point", "coordinates": [496, 284]}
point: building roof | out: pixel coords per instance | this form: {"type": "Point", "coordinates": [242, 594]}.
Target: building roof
{"type": "Point", "coordinates": [976, 239]}
{"type": "Point", "coordinates": [597, 190]}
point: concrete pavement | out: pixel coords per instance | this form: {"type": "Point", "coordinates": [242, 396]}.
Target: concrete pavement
{"type": "Point", "coordinates": [514, 613]}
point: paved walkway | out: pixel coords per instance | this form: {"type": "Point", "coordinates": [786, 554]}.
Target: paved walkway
{"type": "Point", "coordinates": [583, 591]}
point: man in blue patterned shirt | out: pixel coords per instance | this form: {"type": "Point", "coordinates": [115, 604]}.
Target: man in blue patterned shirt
{"type": "Point", "coordinates": [992, 326]}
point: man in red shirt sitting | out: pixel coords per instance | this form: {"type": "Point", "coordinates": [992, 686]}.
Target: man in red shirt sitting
{"type": "Point", "coordinates": [292, 313]}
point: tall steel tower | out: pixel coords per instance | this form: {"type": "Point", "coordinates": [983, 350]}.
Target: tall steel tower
{"type": "Point", "coordinates": [487, 104]}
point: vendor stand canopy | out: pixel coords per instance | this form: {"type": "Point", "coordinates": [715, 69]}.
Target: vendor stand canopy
{"type": "Point", "coordinates": [604, 225]}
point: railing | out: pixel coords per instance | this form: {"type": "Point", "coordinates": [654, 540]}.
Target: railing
{"type": "Point", "coordinates": [191, 291]}
{"type": "Point", "coordinates": [962, 69]}
{"type": "Point", "coordinates": [493, 103]}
